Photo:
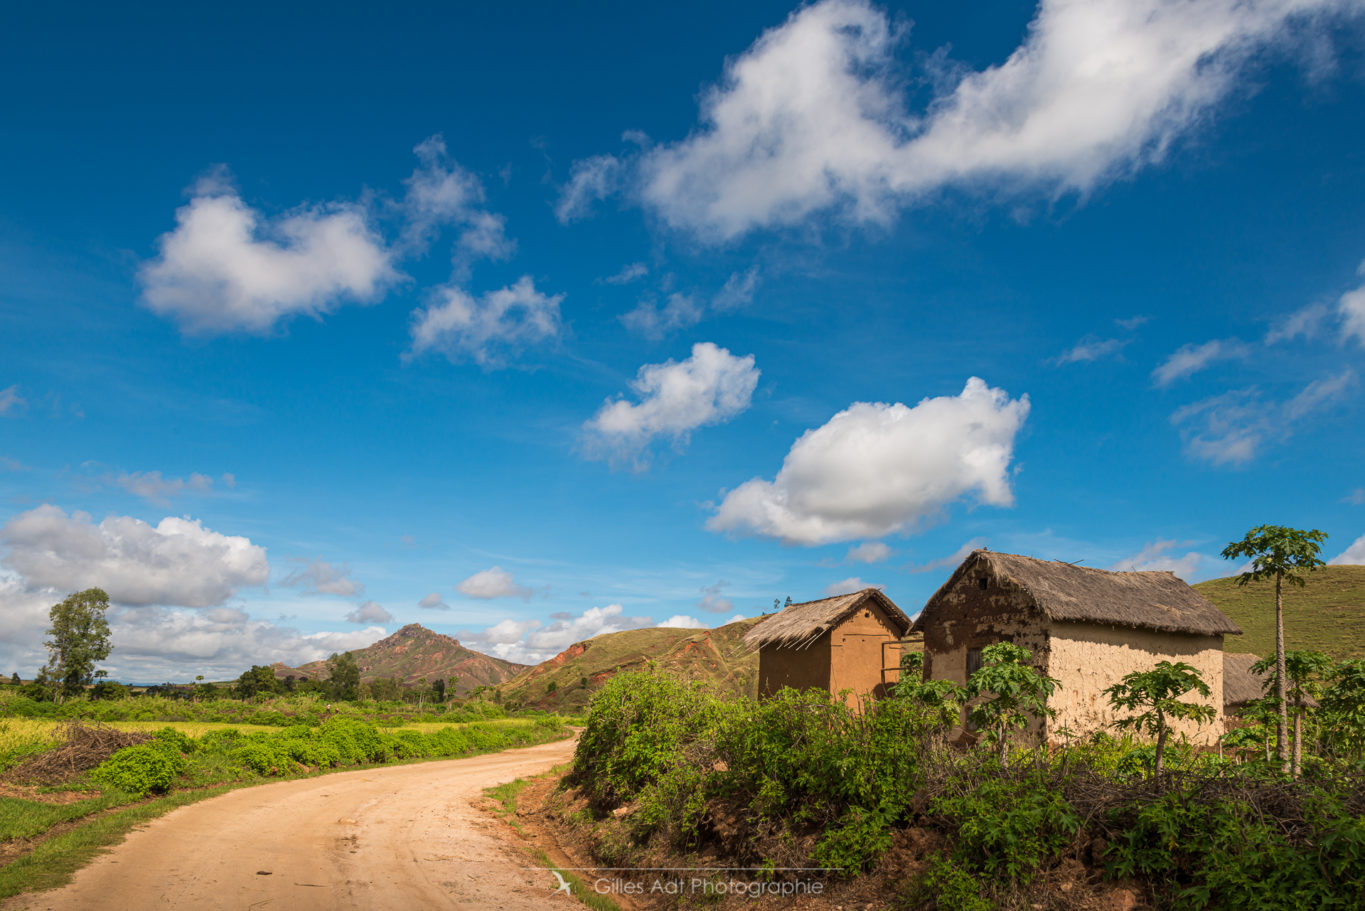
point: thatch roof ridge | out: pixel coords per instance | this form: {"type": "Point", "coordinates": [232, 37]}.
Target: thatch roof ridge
{"type": "Point", "coordinates": [800, 625]}
{"type": "Point", "coordinates": [1067, 592]}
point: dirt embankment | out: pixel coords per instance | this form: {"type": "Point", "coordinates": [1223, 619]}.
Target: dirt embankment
{"type": "Point", "coordinates": [395, 838]}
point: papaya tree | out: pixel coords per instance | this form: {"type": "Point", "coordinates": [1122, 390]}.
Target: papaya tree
{"type": "Point", "coordinates": [1285, 555]}
{"type": "Point", "coordinates": [1306, 672]}
{"type": "Point", "coordinates": [1012, 691]}
{"type": "Point", "coordinates": [1155, 694]}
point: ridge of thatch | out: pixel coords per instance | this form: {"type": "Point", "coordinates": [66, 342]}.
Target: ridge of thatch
{"type": "Point", "coordinates": [799, 625]}
{"type": "Point", "coordinates": [1067, 592]}
{"type": "Point", "coordinates": [1241, 684]}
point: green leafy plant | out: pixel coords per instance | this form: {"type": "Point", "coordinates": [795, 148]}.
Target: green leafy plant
{"type": "Point", "coordinates": [144, 769]}
{"type": "Point", "coordinates": [1155, 695]}
{"type": "Point", "coordinates": [1013, 693]}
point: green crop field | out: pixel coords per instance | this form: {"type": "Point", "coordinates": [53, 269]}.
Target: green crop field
{"type": "Point", "coordinates": [1327, 615]}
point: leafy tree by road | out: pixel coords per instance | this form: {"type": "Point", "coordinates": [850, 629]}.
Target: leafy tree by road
{"type": "Point", "coordinates": [1015, 692]}
{"type": "Point", "coordinates": [259, 680]}
{"type": "Point", "coordinates": [77, 640]}
{"type": "Point", "coordinates": [1158, 691]}
{"type": "Point", "coordinates": [1285, 555]}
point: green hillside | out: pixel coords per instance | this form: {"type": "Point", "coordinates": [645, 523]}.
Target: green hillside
{"type": "Point", "coordinates": [1328, 615]}
{"type": "Point", "coordinates": [717, 657]}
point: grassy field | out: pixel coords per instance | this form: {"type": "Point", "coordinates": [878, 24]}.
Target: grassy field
{"type": "Point", "coordinates": [1328, 615]}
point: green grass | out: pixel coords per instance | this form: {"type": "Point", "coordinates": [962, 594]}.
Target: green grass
{"type": "Point", "coordinates": [1327, 615]}
{"type": "Point", "coordinates": [581, 890]}
{"type": "Point", "coordinates": [53, 861]}
{"type": "Point", "coordinates": [20, 818]}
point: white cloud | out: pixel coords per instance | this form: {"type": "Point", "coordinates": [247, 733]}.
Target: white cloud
{"type": "Point", "coordinates": [1351, 308]}
{"type": "Point", "coordinates": [154, 644]}
{"type": "Point", "coordinates": [1319, 394]}
{"type": "Point", "coordinates": [11, 403]}
{"type": "Point", "coordinates": [1132, 322]}
{"type": "Point", "coordinates": [737, 292]}
{"type": "Point", "coordinates": [1306, 322]}
{"type": "Point", "coordinates": [875, 468]}
{"type": "Point", "coordinates": [589, 180]}
{"type": "Point", "coordinates": [813, 116]}
{"type": "Point", "coordinates": [628, 274]}
{"type": "Point", "coordinates": [1089, 349]}
{"type": "Point", "coordinates": [1190, 359]}
{"type": "Point", "coordinates": [176, 562]}
{"type": "Point", "coordinates": [682, 621]}
{"type": "Point", "coordinates": [713, 601]}
{"type": "Point", "coordinates": [869, 552]}
{"type": "Point", "coordinates": [682, 311]}
{"type": "Point", "coordinates": [1159, 555]}
{"type": "Point", "coordinates": [1356, 497]}
{"type": "Point", "coordinates": [441, 193]}
{"type": "Point", "coordinates": [226, 268]}
{"type": "Point", "coordinates": [433, 601]}
{"type": "Point", "coordinates": [1232, 428]}
{"type": "Point", "coordinates": [710, 387]}
{"type": "Point", "coordinates": [654, 322]}
{"type": "Point", "coordinates": [952, 560]}
{"type": "Point", "coordinates": [369, 612]}
{"type": "Point", "coordinates": [531, 642]}
{"type": "Point", "coordinates": [849, 585]}
{"type": "Point", "coordinates": [23, 623]}
{"type": "Point", "coordinates": [493, 583]}
{"type": "Point", "coordinates": [152, 487]}
{"type": "Point", "coordinates": [317, 576]}
{"type": "Point", "coordinates": [486, 328]}
{"type": "Point", "coordinates": [1353, 555]}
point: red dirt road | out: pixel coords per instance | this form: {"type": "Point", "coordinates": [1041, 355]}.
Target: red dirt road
{"type": "Point", "coordinates": [404, 838]}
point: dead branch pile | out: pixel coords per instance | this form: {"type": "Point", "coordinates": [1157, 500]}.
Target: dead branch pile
{"type": "Point", "coordinates": [83, 747]}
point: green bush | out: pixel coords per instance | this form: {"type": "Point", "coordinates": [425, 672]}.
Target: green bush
{"type": "Point", "coordinates": [1003, 826]}
{"type": "Point", "coordinates": [854, 844]}
{"type": "Point", "coordinates": [945, 885]}
{"type": "Point", "coordinates": [143, 769]}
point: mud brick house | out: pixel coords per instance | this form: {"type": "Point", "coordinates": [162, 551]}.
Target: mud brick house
{"type": "Point", "coordinates": [1086, 627]}
{"type": "Point", "coordinates": [849, 642]}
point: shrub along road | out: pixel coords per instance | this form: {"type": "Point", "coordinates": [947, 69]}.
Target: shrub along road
{"type": "Point", "coordinates": [402, 837]}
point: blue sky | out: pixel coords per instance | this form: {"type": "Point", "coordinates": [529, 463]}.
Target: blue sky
{"type": "Point", "coordinates": [529, 322]}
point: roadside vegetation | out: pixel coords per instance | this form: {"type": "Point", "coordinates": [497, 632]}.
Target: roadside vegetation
{"type": "Point", "coordinates": [666, 770]}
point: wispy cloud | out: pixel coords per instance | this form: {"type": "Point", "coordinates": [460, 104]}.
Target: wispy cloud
{"type": "Point", "coordinates": [319, 577]}
{"type": "Point", "coordinates": [1090, 348]}
{"type": "Point", "coordinates": [11, 402]}
{"type": "Point", "coordinates": [1190, 359]}
{"type": "Point", "coordinates": [485, 329]}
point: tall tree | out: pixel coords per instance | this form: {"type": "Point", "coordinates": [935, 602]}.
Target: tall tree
{"type": "Point", "coordinates": [77, 640]}
{"type": "Point", "coordinates": [343, 676]}
{"type": "Point", "coordinates": [1285, 555]}
{"type": "Point", "coordinates": [1306, 672]}
{"type": "Point", "coordinates": [1158, 691]}
{"type": "Point", "coordinates": [1014, 692]}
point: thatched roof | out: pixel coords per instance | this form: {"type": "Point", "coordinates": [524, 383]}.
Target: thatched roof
{"type": "Point", "coordinates": [1066, 592]}
{"type": "Point", "coordinates": [800, 625]}
{"type": "Point", "coordinates": [1242, 685]}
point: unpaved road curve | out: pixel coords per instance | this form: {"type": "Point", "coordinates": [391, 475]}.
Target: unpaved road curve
{"type": "Point", "coordinates": [405, 838]}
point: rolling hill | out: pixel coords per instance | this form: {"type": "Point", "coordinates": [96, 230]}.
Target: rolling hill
{"type": "Point", "coordinates": [568, 680]}
{"type": "Point", "coordinates": [1327, 615]}
{"type": "Point", "coordinates": [415, 652]}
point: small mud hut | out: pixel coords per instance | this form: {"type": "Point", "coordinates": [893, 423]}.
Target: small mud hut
{"type": "Point", "coordinates": [1086, 627]}
{"type": "Point", "coordinates": [848, 642]}
{"type": "Point", "coordinates": [1243, 686]}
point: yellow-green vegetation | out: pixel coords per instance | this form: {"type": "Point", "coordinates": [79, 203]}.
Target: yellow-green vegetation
{"type": "Point", "coordinates": [1327, 615]}
{"type": "Point", "coordinates": [716, 657]}
{"type": "Point", "coordinates": [21, 738]}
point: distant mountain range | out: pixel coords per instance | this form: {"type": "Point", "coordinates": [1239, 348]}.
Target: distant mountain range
{"type": "Point", "coordinates": [415, 652]}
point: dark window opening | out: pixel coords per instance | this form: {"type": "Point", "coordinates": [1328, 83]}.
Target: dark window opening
{"type": "Point", "coordinates": [973, 665]}
{"type": "Point", "coordinates": [984, 583]}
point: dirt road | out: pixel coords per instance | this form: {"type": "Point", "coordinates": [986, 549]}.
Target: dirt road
{"type": "Point", "coordinates": [402, 838]}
